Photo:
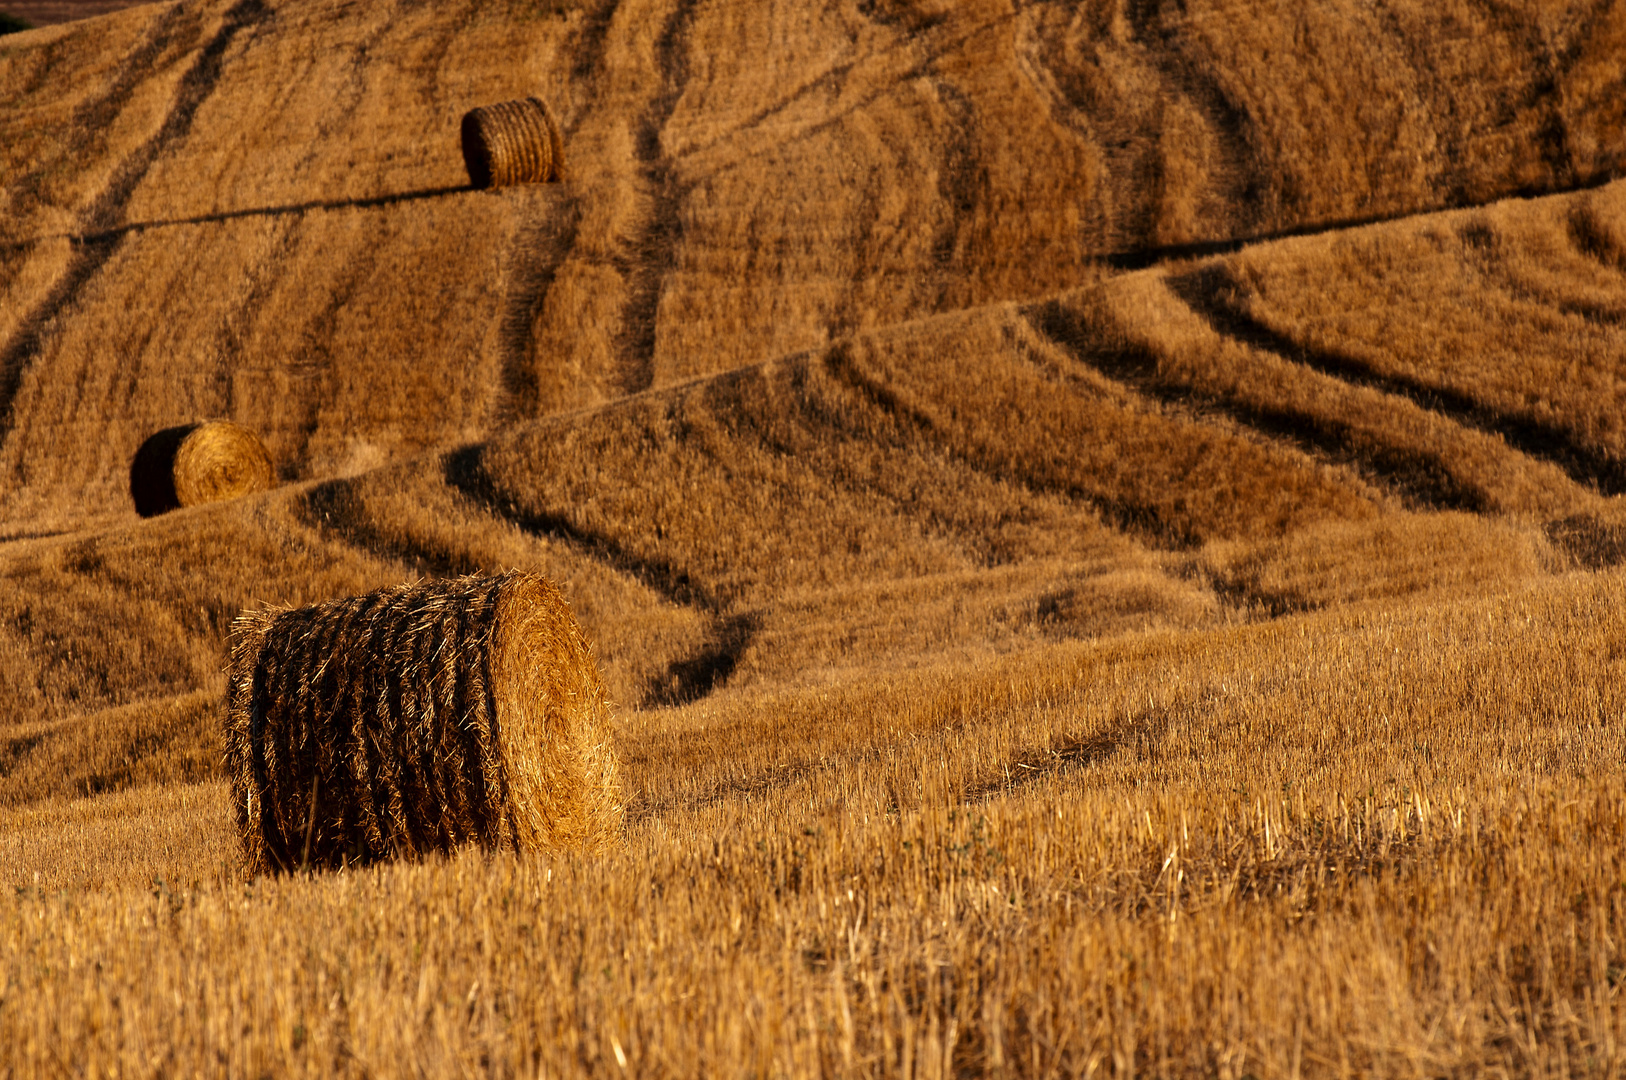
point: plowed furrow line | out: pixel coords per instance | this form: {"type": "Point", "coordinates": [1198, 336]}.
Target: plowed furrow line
{"type": "Point", "coordinates": [1206, 293]}
{"type": "Point", "coordinates": [105, 213]}
{"type": "Point", "coordinates": [1416, 477]}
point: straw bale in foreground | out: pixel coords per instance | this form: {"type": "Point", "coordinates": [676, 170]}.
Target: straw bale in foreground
{"type": "Point", "coordinates": [512, 142]}
{"type": "Point", "coordinates": [418, 718]}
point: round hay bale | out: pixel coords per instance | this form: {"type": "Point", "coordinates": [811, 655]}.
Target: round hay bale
{"type": "Point", "coordinates": [416, 719]}
{"type": "Point", "coordinates": [198, 463]}
{"type": "Point", "coordinates": [512, 142]}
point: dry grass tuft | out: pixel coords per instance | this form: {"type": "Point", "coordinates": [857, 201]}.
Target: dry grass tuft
{"type": "Point", "coordinates": [194, 464]}
{"type": "Point", "coordinates": [418, 718]}
{"type": "Point", "coordinates": [512, 142]}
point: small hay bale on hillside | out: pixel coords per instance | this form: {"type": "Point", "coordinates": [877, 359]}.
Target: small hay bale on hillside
{"type": "Point", "coordinates": [415, 719]}
{"type": "Point", "coordinates": [512, 142]}
{"type": "Point", "coordinates": [198, 463]}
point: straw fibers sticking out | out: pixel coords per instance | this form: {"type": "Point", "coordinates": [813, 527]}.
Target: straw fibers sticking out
{"type": "Point", "coordinates": [513, 142]}
{"type": "Point", "coordinates": [415, 719]}
{"type": "Point", "coordinates": [198, 463]}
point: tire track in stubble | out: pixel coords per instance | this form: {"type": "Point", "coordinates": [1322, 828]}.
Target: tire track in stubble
{"type": "Point", "coordinates": [1421, 479]}
{"type": "Point", "coordinates": [654, 253]}
{"type": "Point", "coordinates": [1213, 295]}
{"type": "Point", "coordinates": [338, 509]}
{"type": "Point", "coordinates": [107, 211]}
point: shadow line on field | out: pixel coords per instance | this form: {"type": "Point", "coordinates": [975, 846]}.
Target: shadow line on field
{"type": "Point", "coordinates": [101, 241]}
{"type": "Point", "coordinates": [1142, 258]}
{"type": "Point", "coordinates": [1138, 734]}
{"type": "Point", "coordinates": [338, 509]}
{"type": "Point", "coordinates": [1419, 478]}
{"type": "Point", "coordinates": [1214, 295]}
{"type": "Point", "coordinates": [1136, 518]}
{"type": "Point", "coordinates": [117, 233]}
{"type": "Point", "coordinates": [686, 679]}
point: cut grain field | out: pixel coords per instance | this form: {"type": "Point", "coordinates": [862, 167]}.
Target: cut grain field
{"type": "Point", "coordinates": [1100, 522]}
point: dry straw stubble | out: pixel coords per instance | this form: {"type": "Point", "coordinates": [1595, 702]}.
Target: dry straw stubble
{"type": "Point", "coordinates": [418, 718]}
{"type": "Point", "coordinates": [194, 464]}
{"type": "Point", "coordinates": [512, 142]}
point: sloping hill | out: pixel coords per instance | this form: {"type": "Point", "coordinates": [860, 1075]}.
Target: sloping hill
{"type": "Point", "coordinates": [1101, 434]}
{"type": "Point", "coordinates": [276, 187]}
{"type": "Point", "coordinates": [1176, 447]}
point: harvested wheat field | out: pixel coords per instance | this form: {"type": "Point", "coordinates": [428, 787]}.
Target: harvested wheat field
{"type": "Point", "coordinates": [885, 538]}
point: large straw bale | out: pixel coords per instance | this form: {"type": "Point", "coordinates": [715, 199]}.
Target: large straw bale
{"type": "Point", "coordinates": [198, 463]}
{"type": "Point", "coordinates": [418, 718]}
{"type": "Point", "coordinates": [512, 142]}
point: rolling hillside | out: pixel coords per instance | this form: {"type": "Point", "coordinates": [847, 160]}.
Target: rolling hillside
{"type": "Point", "coordinates": [1102, 421]}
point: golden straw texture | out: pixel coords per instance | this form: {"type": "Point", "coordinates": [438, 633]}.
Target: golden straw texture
{"type": "Point", "coordinates": [198, 463]}
{"type": "Point", "coordinates": [512, 142]}
{"type": "Point", "coordinates": [418, 718]}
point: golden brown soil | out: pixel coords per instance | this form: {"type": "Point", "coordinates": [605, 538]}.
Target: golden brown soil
{"type": "Point", "coordinates": [1101, 519]}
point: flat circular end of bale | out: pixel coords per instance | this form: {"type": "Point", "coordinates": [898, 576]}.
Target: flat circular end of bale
{"type": "Point", "coordinates": [512, 142]}
{"type": "Point", "coordinates": [220, 460]}
{"type": "Point", "coordinates": [553, 722]}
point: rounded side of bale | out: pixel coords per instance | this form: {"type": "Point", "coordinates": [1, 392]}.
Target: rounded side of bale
{"type": "Point", "coordinates": [244, 730]}
{"type": "Point", "coordinates": [553, 723]}
{"type": "Point", "coordinates": [219, 460]}
{"type": "Point", "coordinates": [512, 142]}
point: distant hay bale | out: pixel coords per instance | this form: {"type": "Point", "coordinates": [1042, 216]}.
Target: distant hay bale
{"type": "Point", "coordinates": [512, 142]}
{"type": "Point", "coordinates": [198, 463]}
{"type": "Point", "coordinates": [416, 719]}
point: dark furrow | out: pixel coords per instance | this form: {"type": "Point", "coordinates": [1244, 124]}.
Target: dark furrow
{"type": "Point", "coordinates": [590, 41]}
{"type": "Point", "coordinates": [263, 278]}
{"type": "Point", "coordinates": [835, 426]}
{"type": "Point", "coordinates": [1419, 479]}
{"type": "Point", "coordinates": [465, 473]}
{"type": "Point", "coordinates": [1138, 733]}
{"type": "Point", "coordinates": [1121, 135]}
{"type": "Point", "coordinates": [337, 509]}
{"type": "Point", "coordinates": [1594, 544]}
{"type": "Point", "coordinates": [93, 117]}
{"type": "Point", "coordinates": [684, 680]}
{"type": "Point", "coordinates": [691, 678]}
{"type": "Point", "coordinates": [1127, 516]}
{"type": "Point", "coordinates": [195, 87]}
{"type": "Point", "coordinates": [645, 267]}
{"type": "Point", "coordinates": [314, 363]}
{"type": "Point", "coordinates": [919, 70]}
{"type": "Point", "coordinates": [1247, 191]}
{"type": "Point", "coordinates": [959, 182]}
{"type": "Point", "coordinates": [1542, 96]}
{"type": "Point", "coordinates": [1593, 239]}
{"type": "Point", "coordinates": [89, 256]}
{"type": "Point", "coordinates": [1144, 258]}
{"type": "Point", "coordinates": [1488, 258]}
{"type": "Point", "coordinates": [541, 247]}
{"type": "Point", "coordinates": [903, 15]}
{"type": "Point", "coordinates": [1213, 295]}
{"type": "Point", "coordinates": [446, 31]}
{"type": "Point", "coordinates": [25, 344]}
